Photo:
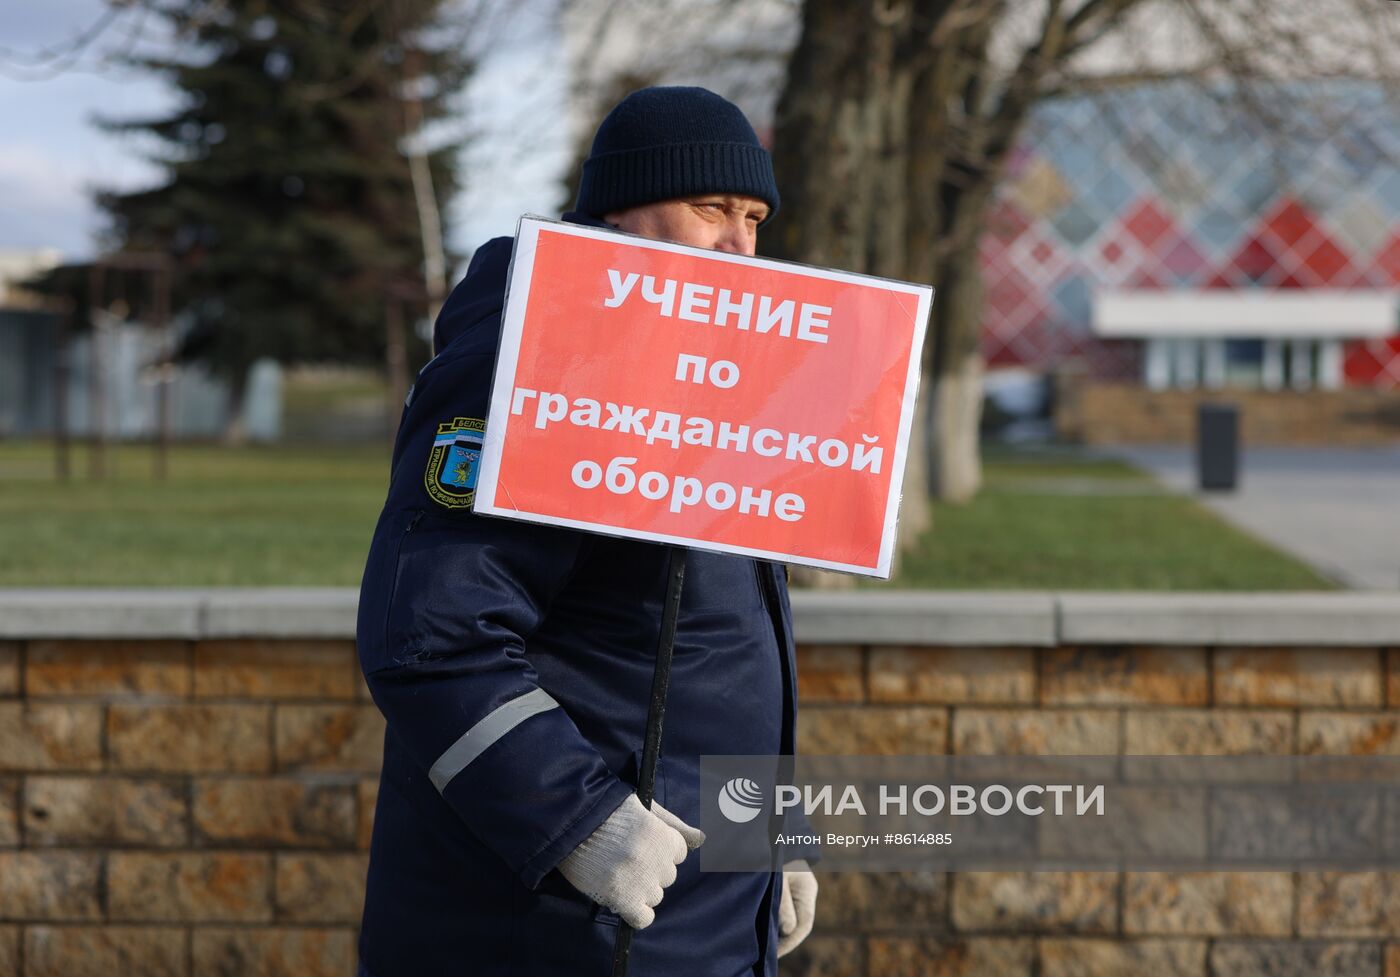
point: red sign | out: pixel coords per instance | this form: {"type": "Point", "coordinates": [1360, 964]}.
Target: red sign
{"type": "Point", "coordinates": [664, 392]}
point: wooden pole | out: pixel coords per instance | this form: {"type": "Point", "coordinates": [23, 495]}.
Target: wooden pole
{"type": "Point", "coordinates": [62, 373]}
{"type": "Point", "coordinates": [165, 376]}
{"type": "Point", "coordinates": [395, 363]}
{"type": "Point", "coordinates": [97, 388]}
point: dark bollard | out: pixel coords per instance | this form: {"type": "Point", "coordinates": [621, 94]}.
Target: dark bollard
{"type": "Point", "coordinates": [1217, 447]}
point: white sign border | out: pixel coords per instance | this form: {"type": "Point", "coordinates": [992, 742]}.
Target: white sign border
{"type": "Point", "coordinates": [508, 361]}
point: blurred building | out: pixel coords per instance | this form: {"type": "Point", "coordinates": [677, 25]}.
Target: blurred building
{"type": "Point", "coordinates": [132, 351]}
{"type": "Point", "coordinates": [1166, 244]}
{"type": "Point", "coordinates": [20, 265]}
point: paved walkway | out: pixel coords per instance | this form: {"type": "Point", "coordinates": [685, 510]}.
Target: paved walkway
{"type": "Point", "coordinates": [1337, 509]}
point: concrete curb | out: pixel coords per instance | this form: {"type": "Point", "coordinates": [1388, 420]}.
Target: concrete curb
{"type": "Point", "coordinates": [924, 618]}
{"type": "Point", "coordinates": [1316, 619]}
{"type": "Point", "coordinates": [939, 618]}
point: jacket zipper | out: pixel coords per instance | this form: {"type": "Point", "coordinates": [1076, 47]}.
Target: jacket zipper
{"type": "Point", "coordinates": [762, 589]}
{"type": "Point", "coordinates": [767, 592]}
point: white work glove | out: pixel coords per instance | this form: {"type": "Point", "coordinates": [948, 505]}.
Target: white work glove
{"type": "Point", "coordinates": [630, 858]}
{"type": "Point", "coordinates": [798, 907]}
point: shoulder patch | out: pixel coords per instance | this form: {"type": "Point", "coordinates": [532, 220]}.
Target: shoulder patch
{"type": "Point", "coordinates": [454, 461]}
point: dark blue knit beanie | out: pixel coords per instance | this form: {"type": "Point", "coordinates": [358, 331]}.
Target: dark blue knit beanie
{"type": "Point", "coordinates": [666, 142]}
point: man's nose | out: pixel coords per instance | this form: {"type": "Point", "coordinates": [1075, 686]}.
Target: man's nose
{"type": "Point", "coordinates": [736, 238]}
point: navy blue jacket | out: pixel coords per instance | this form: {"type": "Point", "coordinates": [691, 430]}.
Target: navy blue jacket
{"type": "Point", "coordinates": [513, 663]}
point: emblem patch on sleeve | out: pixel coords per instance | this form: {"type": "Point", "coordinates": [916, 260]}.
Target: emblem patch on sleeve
{"type": "Point", "coordinates": [454, 462]}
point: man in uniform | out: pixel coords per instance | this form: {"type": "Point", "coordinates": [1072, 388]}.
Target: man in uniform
{"type": "Point", "coordinates": [513, 662]}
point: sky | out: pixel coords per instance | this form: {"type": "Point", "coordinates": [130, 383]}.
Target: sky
{"type": "Point", "coordinates": [52, 156]}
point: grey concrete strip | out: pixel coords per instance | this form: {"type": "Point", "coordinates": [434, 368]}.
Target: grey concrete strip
{"type": "Point", "coordinates": [938, 618]}
{"type": "Point", "coordinates": [1307, 619]}
{"type": "Point", "coordinates": [1336, 509]}
{"type": "Point", "coordinates": [298, 612]}
{"type": "Point", "coordinates": [954, 618]}
{"type": "Point", "coordinates": [84, 613]}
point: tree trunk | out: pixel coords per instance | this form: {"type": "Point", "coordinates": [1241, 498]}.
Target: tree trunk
{"type": "Point", "coordinates": [841, 151]}
{"type": "Point", "coordinates": [839, 140]}
{"type": "Point", "coordinates": [956, 405]}
{"type": "Point", "coordinates": [955, 397]}
{"type": "Point", "coordinates": [916, 504]}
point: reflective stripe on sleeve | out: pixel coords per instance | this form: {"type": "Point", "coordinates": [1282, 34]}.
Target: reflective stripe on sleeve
{"type": "Point", "coordinates": [488, 730]}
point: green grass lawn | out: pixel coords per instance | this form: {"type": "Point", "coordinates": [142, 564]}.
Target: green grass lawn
{"type": "Point", "coordinates": [1051, 520]}
{"type": "Point", "coordinates": [304, 515]}
{"type": "Point", "coordinates": [252, 516]}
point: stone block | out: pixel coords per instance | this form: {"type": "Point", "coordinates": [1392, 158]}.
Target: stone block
{"type": "Point", "coordinates": [1162, 824]}
{"type": "Point", "coordinates": [872, 731]}
{"type": "Point", "coordinates": [50, 736]}
{"type": "Point", "coordinates": [368, 796]}
{"type": "Point", "coordinates": [202, 738]}
{"type": "Point", "coordinates": [1208, 903]}
{"type": "Point", "coordinates": [952, 676]}
{"type": "Point", "coordinates": [275, 812]}
{"type": "Point", "coordinates": [1349, 733]}
{"type": "Point", "coordinates": [997, 732]}
{"type": "Point", "coordinates": [1124, 675]}
{"type": "Point", "coordinates": [1392, 960]}
{"type": "Point", "coordinates": [9, 950]}
{"type": "Point", "coordinates": [1018, 902]}
{"type": "Point", "coordinates": [269, 952]}
{"type": "Point", "coordinates": [1335, 826]}
{"type": "Point", "coordinates": [1095, 957]}
{"type": "Point", "coordinates": [50, 886]}
{"type": "Point", "coordinates": [1298, 677]}
{"type": "Point", "coordinates": [830, 673]}
{"type": "Point", "coordinates": [934, 956]}
{"type": "Point", "coordinates": [826, 956]}
{"type": "Point", "coordinates": [9, 812]}
{"type": "Point", "coordinates": [1348, 904]}
{"type": "Point", "coordinates": [81, 811]}
{"type": "Point", "coordinates": [1392, 677]}
{"type": "Point", "coordinates": [329, 738]}
{"type": "Point", "coordinates": [9, 668]}
{"type": "Point", "coordinates": [276, 669]}
{"type": "Point", "coordinates": [871, 901]}
{"type": "Point", "coordinates": [1294, 958]}
{"type": "Point", "coordinates": [189, 887]}
{"type": "Point", "coordinates": [105, 951]}
{"type": "Point", "coordinates": [107, 668]}
{"type": "Point", "coordinates": [321, 888]}
{"type": "Point", "coordinates": [1207, 732]}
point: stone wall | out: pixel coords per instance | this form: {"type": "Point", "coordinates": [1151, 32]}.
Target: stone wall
{"type": "Point", "coordinates": [187, 780]}
{"type": "Point", "coordinates": [1089, 412]}
{"type": "Point", "coordinates": [178, 807]}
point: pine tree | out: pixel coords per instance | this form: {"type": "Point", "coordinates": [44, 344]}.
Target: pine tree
{"type": "Point", "coordinates": [288, 204]}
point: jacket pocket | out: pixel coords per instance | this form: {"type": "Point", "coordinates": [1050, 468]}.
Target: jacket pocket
{"type": "Point", "coordinates": [412, 518]}
{"type": "Point", "coordinates": [378, 589]}
{"type": "Point", "coordinates": [558, 931]}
